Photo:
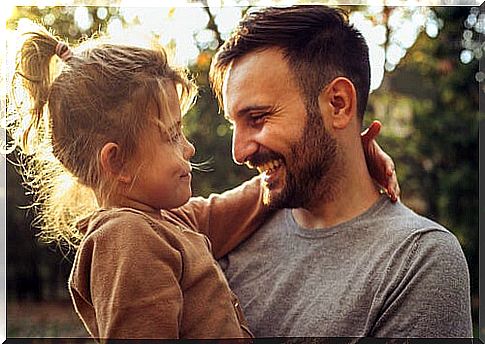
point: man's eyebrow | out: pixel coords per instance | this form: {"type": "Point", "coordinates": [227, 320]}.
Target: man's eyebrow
{"type": "Point", "coordinates": [247, 109]}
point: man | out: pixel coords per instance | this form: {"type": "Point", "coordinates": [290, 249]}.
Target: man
{"type": "Point", "coordinates": [337, 258]}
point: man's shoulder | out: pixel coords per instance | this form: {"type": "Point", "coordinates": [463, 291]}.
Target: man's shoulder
{"type": "Point", "coordinates": [399, 224]}
{"type": "Point", "coordinates": [424, 268]}
{"type": "Point", "coordinates": [399, 218]}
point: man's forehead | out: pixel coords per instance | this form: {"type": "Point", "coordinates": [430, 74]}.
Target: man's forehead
{"type": "Point", "coordinates": [248, 76]}
{"type": "Point", "coordinates": [259, 60]}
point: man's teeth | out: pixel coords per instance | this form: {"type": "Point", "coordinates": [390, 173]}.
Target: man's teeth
{"type": "Point", "coordinates": [270, 166]}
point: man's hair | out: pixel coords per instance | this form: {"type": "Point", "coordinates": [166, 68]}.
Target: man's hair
{"type": "Point", "coordinates": [318, 43]}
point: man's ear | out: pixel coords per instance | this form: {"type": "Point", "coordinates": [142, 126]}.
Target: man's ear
{"type": "Point", "coordinates": [111, 163]}
{"type": "Point", "coordinates": [340, 102]}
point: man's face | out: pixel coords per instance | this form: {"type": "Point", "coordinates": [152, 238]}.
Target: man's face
{"type": "Point", "coordinates": [274, 133]}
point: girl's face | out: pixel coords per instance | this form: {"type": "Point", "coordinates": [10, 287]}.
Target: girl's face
{"type": "Point", "coordinates": [161, 170]}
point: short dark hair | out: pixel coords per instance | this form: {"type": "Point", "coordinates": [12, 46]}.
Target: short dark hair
{"type": "Point", "coordinates": [317, 41]}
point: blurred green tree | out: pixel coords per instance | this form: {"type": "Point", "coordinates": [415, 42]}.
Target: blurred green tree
{"type": "Point", "coordinates": [62, 19]}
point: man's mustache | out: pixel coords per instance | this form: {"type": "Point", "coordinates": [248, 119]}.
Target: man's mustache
{"type": "Point", "coordinates": [263, 157]}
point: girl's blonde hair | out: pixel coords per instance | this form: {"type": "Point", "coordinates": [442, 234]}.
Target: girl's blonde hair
{"type": "Point", "coordinates": [100, 95]}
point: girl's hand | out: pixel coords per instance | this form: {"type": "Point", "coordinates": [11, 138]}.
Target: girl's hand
{"type": "Point", "coordinates": [380, 165]}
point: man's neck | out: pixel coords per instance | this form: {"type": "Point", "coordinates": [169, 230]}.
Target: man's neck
{"type": "Point", "coordinates": [354, 194]}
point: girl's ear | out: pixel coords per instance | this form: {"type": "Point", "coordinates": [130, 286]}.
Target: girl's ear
{"type": "Point", "coordinates": [112, 164]}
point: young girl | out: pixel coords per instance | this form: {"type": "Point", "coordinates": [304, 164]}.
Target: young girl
{"type": "Point", "coordinates": [111, 168]}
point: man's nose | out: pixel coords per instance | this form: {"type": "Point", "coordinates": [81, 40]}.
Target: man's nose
{"type": "Point", "coordinates": [243, 145]}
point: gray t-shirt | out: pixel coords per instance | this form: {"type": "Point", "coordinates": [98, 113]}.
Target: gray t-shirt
{"type": "Point", "coordinates": [386, 273]}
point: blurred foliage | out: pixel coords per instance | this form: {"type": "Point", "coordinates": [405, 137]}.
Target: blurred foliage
{"type": "Point", "coordinates": [61, 19]}
{"type": "Point", "coordinates": [428, 105]}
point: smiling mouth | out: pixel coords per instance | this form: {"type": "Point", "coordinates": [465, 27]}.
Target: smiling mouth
{"type": "Point", "coordinates": [270, 167]}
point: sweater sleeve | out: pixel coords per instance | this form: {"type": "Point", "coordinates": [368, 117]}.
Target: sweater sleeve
{"type": "Point", "coordinates": [134, 280]}
{"type": "Point", "coordinates": [429, 294]}
{"type": "Point", "coordinates": [227, 218]}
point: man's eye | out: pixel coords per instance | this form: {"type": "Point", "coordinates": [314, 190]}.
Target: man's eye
{"type": "Point", "coordinates": [258, 118]}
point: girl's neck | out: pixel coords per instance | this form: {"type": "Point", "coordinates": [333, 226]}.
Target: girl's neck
{"type": "Point", "coordinates": [118, 201]}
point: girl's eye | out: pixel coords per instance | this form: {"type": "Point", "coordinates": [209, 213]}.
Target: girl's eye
{"type": "Point", "coordinates": [177, 136]}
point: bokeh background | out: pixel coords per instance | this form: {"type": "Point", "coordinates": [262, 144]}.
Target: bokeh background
{"type": "Point", "coordinates": [426, 85]}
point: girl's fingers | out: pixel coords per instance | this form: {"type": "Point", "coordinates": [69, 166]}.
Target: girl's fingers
{"type": "Point", "coordinates": [372, 131]}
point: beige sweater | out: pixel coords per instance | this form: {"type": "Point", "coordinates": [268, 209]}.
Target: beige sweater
{"type": "Point", "coordinates": [140, 275]}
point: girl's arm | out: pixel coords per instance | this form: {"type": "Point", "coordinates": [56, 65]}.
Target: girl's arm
{"type": "Point", "coordinates": [227, 218]}
{"type": "Point", "coordinates": [125, 282]}
{"type": "Point", "coordinates": [380, 165]}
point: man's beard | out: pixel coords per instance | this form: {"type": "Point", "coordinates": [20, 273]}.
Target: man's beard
{"type": "Point", "coordinates": [311, 171]}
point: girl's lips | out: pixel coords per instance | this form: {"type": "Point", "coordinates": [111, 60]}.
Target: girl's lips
{"type": "Point", "coordinates": [186, 175]}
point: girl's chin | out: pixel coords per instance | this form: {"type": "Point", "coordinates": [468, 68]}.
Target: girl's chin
{"type": "Point", "coordinates": [182, 201]}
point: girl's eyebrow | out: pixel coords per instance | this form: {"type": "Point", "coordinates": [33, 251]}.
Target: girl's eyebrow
{"type": "Point", "coordinates": [175, 126]}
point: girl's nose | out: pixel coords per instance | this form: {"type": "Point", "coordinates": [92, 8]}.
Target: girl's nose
{"type": "Point", "coordinates": [189, 150]}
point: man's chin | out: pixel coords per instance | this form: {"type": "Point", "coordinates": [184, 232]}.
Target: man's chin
{"type": "Point", "coordinates": [270, 196]}
{"type": "Point", "coordinates": [275, 198]}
